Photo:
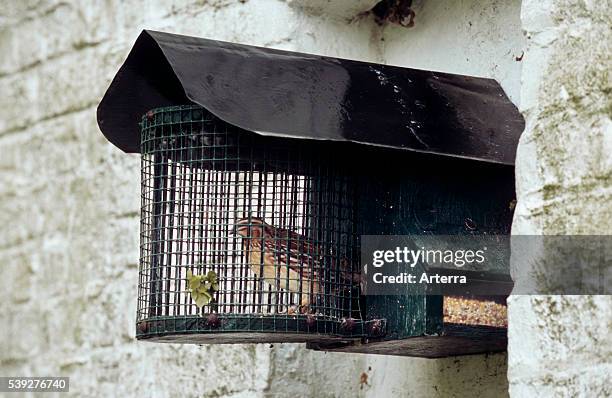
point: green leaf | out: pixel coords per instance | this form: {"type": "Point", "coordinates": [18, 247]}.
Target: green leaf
{"type": "Point", "coordinates": [194, 283]}
{"type": "Point", "coordinates": [202, 287]}
{"type": "Point", "coordinates": [202, 301]}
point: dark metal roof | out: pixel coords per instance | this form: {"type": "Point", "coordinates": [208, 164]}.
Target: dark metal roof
{"type": "Point", "coordinates": [304, 96]}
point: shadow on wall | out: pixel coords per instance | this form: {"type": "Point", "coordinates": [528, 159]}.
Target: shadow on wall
{"type": "Point", "coordinates": [339, 374]}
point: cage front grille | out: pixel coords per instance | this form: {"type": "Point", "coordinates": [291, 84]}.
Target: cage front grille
{"type": "Point", "coordinates": [272, 218]}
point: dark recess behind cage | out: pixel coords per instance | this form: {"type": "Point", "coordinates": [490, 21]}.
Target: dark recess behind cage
{"type": "Point", "coordinates": [426, 196]}
{"type": "Point", "coordinates": [420, 194]}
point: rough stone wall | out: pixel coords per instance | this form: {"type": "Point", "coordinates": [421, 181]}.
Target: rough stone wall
{"type": "Point", "coordinates": [561, 345]}
{"type": "Point", "coordinates": [69, 200]}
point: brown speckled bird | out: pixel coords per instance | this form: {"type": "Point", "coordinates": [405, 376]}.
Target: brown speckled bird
{"type": "Point", "coordinates": [281, 256]}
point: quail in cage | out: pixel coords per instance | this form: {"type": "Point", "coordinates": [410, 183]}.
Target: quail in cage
{"type": "Point", "coordinates": [281, 255]}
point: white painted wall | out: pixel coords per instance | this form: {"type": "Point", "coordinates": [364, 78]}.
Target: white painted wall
{"type": "Point", "coordinates": [478, 38]}
{"type": "Point", "coordinates": [561, 345]}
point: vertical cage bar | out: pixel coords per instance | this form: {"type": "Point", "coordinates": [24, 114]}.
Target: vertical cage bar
{"type": "Point", "coordinates": [156, 250]}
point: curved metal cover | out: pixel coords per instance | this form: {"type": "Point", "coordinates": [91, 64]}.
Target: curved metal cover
{"type": "Point", "coordinates": [303, 96]}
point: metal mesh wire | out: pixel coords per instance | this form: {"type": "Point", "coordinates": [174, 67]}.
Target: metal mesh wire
{"type": "Point", "coordinates": [272, 218]}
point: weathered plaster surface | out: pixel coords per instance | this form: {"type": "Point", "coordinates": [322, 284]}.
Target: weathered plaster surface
{"type": "Point", "coordinates": [476, 38]}
{"type": "Point", "coordinates": [561, 346]}
{"type": "Point", "coordinates": [69, 200]}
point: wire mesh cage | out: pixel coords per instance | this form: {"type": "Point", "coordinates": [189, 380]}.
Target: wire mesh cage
{"type": "Point", "coordinates": [244, 238]}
